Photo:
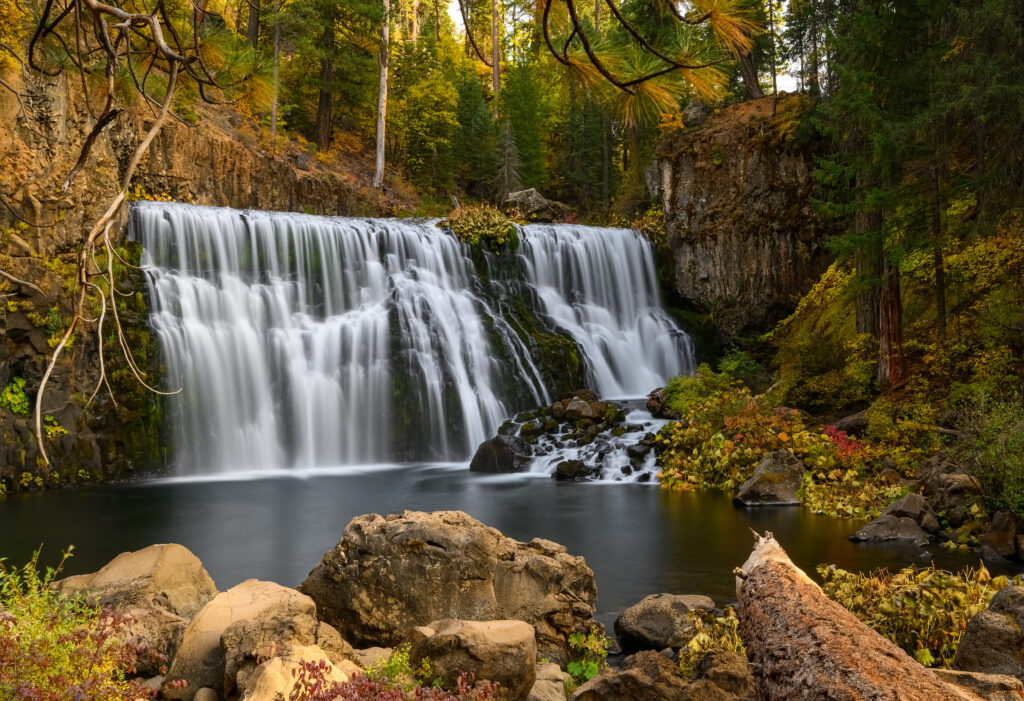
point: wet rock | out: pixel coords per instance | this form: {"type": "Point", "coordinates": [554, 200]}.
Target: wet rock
{"type": "Point", "coordinates": [659, 621]}
{"type": "Point", "coordinates": [990, 687]}
{"type": "Point", "coordinates": [992, 643]}
{"type": "Point", "coordinates": [1001, 535]}
{"type": "Point", "coordinates": [574, 470]}
{"type": "Point", "coordinates": [891, 527]}
{"type": "Point", "coordinates": [775, 481]}
{"type": "Point", "coordinates": [656, 403]}
{"type": "Point", "coordinates": [581, 409]}
{"type": "Point", "coordinates": [558, 410]}
{"type": "Point", "coordinates": [501, 454]}
{"type": "Point", "coordinates": [498, 651]}
{"type": "Point", "coordinates": [389, 575]}
{"type": "Point", "coordinates": [638, 451]}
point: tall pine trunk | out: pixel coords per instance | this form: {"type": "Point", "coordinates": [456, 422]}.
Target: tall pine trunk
{"type": "Point", "coordinates": [323, 110]}
{"type": "Point", "coordinates": [382, 97]}
{"type": "Point", "coordinates": [495, 52]}
{"type": "Point", "coordinates": [253, 30]}
{"type": "Point", "coordinates": [273, 104]}
{"type": "Point", "coordinates": [891, 367]}
{"type": "Point", "coordinates": [938, 263]}
{"type": "Point", "coordinates": [749, 73]}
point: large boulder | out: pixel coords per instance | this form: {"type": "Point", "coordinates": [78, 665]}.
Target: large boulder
{"type": "Point", "coordinates": [659, 621]}
{"type": "Point", "coordinates": [721, 676]}
{"type": "Point", "coordinates": [388, 575]}
{"type": "Point", "coordinates": [274, 610]}
{"type": "Point", "coordinates": [775, 482]}
{"type": "Point", "coordinates": [534, 207]}
{"type": "Point", "coordinates": [1001, 535]}
{"type": "Point", "coordinates": [496, 651]}
{"type": "Point", "coordinates": [891, 527]}
{"type": "Point", "coordinates": [550, 684]}
{"type": "Point", "coordinates": [993, 643]}
{"type": "Point", "coordinates": [501, 454]}
{"type": "Point", "coordinates": [157, 589]}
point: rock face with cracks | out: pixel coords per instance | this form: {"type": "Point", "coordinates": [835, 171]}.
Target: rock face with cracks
{"type": "Point", "coordinates": [388, 575]}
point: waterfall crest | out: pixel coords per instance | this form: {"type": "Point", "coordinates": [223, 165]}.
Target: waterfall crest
{"type": "Point", "coordinates": [315, 341]}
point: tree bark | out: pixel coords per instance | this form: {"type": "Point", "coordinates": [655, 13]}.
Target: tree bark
{"type": "Point", "coordinates": [749, 73]}
{"type": "Point", "coordinates": [495, 52]}
{"type": "Point", "coordinates": [414, 20]}
{"type": "Point", "coordinates": [803, 645]}
{"type": "Point", "coordinates": [323, 110]}
{"type": "Point", "coordinates": [253, 30]}
{"type": "Point", "coordinates": [938, 262]}
{"type": "Point", "coordinates": [891, 366]}
{"type": "Point", "coordinates": [273, 104]}
{"type": "Point", "coordinates": [382, 98]}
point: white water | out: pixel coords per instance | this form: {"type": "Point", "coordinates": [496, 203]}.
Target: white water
{"type": "Point", "coordinates": [304, 341]}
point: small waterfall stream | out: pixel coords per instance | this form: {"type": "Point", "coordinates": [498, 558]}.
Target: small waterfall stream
{"type": "Point", "coordinates": [313, 341]}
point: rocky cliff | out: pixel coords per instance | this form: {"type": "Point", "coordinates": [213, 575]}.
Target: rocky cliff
{"type": "Point", "coordinates": [223, 161]}
{"type": "Point", "coordinates": [736, 188]}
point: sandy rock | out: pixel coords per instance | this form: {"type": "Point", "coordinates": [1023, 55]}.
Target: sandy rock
{"type": "Point", "coordinates": [201, 660]}
{"type": "Point", "coordinates": [775, 482]}
{"type": "Point", "coordinates": [367, 657]}
{"type": "Point", "coordinates": [991, 687]}
{"type": "Point", "coordinates": [389, 575]}
{"type": "Point", "coordinates": [274, 679]}
{"type": "Point", "coordinates": [550, 684]}
{"type": "Point", "coordinates": [658, 621]}
{"type": "Point", "coordinates": [720, 676]}
{"type": "Point", "coordinates": [206, 694]}
{"type": "Point", "coordinates": [497, 651]}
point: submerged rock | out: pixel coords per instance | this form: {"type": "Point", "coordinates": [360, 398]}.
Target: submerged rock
{"type": "Point", "coordinates": [388, 575]}
{"type": "Point", "coordinates": [775, 482]}
{"type": "Point", "coordinates": [891, 527]}
{"type": "Point", "coordinates": [659, 621]}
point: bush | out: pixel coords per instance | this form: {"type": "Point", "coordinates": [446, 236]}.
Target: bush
{"type": "Point", "coordinates": [923, 610]}
{"type": "Point", "coordinates": [477, 223]}
{"type": "Point", "coordinates": [55, 647]}
{"type": "Point", "coordinates": [13, 397]}
{"type": "Point", "coordinates": [996, 445]}
{"type": "Point", "coordinates": [311, 684]}
{"type": "Point", "coordinates": [712, 633]}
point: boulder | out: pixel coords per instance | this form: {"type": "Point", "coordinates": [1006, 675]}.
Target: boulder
{"type": "Point", "coordinates": [659, 621]}
{"type": "Point", "coordinates": [891, 527]}
{"type": "Point", "coordinates": [1001, 535]}
{"type": "Point", "coordinates": [949, 487]}
{"type": "Point", "coordinates": [729, 671]}
{"type": "Point", "coordinates": [274, 679]}
{"type": "Point", "coordinates": [574, 470]}
{"type": "Point", "coordinates": [201, 660]}
{"type": "Point", "coordinates": [388, 575]}
{"type": "Point", "coordinates": [501, 454]}
{"type": "Point", "coordinates": [368, 657]}
{"type": "Point", "coordinates": [993, 643]}
{"type": "Point", "coordinates": [550, 684]}
{"type": "Point", "coordinates": [534, 207]}
{"type": "Point", "coordinates": [579, 408]}
{"type": "Point", "coordinates": [911, 505]}
{"type": "Point", "coordinates": [991, 687]}
{"type": "Point", "coordinates": [206, 694]}
{"type": "Point", "coordinates": [157, 589]}
{"type": "Point", "coordinates": [496, 651]}
{"type": "Point", "coordinates": [854, 424]}
{"type": "Point", "coordinates": [775, 482]}
{"type": "Point", "coordinates": [656, 402]}
{"type": "Point", "coordinates": [720, 676]}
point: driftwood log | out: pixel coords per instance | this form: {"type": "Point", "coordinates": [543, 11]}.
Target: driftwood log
{"type": "Point", "coordinates": [803, 645]}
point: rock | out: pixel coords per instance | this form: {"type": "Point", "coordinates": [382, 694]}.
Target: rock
{"type": "Point", "coordinates": [992, 643]}
{"type": "Point", "coordinates": [637, 451]}
{"type": "Point", "coordinates": [367, 657]}
{"type": "Point", "coordinates": [991, 687]}
{"type": "Point", "coordinates": [389, 575]}
{"type": "Point", "coordinates": [578, 408]}
{"type": "Point", "coordinates": [157, 588]}
{"type": "Point", "coordinates": [534, 207]}
{"type": "Point", "coordinates": [1020, 547]}
{"type": "Point", "coordinates": [930, 523]}
{"type": "Point", "coordinates": [550, 684]}
{"type": "Point", "coordinates": [656, 404]}
{"type": "Point", "coordinates": [659, 621]}
{"type": "Point", "coordinates": [274, 679]}
{"type": "Point", "coordinates": [854, 424]}
{"type": "Point", "coordinates": [1001, 535]}
{"type": "Point", "coordinates": [574, 470]}
{"type": "Point", "coordinates": [501, 454]}
{"type": "Point", "coordinates": [729, 671]}
{"type": "Point", "coordinates": [912, 506]}
{"type": "Point", "coordinates": [775, 481]}
{"type": "Point", "coordinates": [201, 660]}
{"type": "Point", "coordinates": [646, 675]}
{"type": "Point", "coordinates": [206, 694]}
{"type": "Point", "coordinates": [891, 527]}
{"type": "Point", "coordinates": [497, 651]}
{"type": "Point", "coordinates": [558, 410]}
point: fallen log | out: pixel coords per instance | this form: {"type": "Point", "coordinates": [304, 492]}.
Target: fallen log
{"type": "Point", "coordinates": [803, 645]}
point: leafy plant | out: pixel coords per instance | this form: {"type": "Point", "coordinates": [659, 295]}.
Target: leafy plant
{"type": "Point", "coordinates": [14, 398]}
{"type": "Point", "coordinates": [995, 431]}
{"type": "Point", "coordinates": [923, 610]}
{"type": "Point", "coordinates": [312, 684]}
{"type": "Point", "coordinates": [473, 224]}
{"type": "Point", "coordinates": [711, 633]}
{"type": "Point", "coordinates": [588, 653]}
{"type": "Point", "coordinates": [52, 428]}
{"type": "Point", "coordinates": [55, 647]}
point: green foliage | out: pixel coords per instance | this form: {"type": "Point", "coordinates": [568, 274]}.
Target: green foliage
{"type": "Point", "coordinates": [995, 439]}
{"type": "Point", "coordinates": [711, 632]}
{"type": "Point", "coordinates": [52, 428]}
{"type": "Point", "coordinates": [13, 397]}
{"type": "Point", "coordinates": [397, 668]}
{"type": "Point", "coordinates": [588, 652]}
{"type": "Point", "coordinates": [923, 610]}
{"type": "Point", "coordinates": [481, 223]}
{"type": "Point", "coordinates": [55, 647]}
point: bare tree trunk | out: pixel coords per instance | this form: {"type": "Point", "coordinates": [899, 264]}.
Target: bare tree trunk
{"type": "Point", "coordinates": [414, 23]}
{"type": "Point", "coordinates": [891, 366]}
{"type": "Point", "coordinates": [273, 104]}
{"type": "Point", "coordinates": [253, 31]}
{"type": "Point", "coordinates": [775, 60]}
{"type": "Point", "coordinates": [606, 157]}
{"type": "Point", "coordinates": [495, 52]}
{"type": "Point", "coordinates": [806, 646]}
{"type": "Point", "coordinates": [437, 19]}
{"type": "Point", "coordinates": [382, 97]}
{"type": "Point", "coordinates": [749, 72]}
{"type": "Point", "coordinates": [323, 110]}
{"type": "Point", "coordinates": [938, 262]}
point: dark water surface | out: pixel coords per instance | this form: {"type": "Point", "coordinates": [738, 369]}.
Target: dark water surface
{"type": "Point", "coordinates": [638, 539]}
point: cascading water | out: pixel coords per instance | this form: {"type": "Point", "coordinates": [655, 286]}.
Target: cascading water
{"type": "Point", "coordinates": [313, 341]}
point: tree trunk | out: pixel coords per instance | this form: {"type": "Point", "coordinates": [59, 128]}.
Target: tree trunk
{"type": "Point", "coordinates": [891, 366]}
{"type": "Point", "coordinates": [606, 158]}
{"type": "Point", "coordinates": [803, 645]}
{"type": "Point", "coordinates": [937, 261]}
{"type": "Point", "coordinates": [323, 110]}
{"type": "Point", "coordinates": [437, 20]}
{"type": "Point", "coordinates": [273, 104]}
{"type": "Point", "coordinates": [253, 31]}
{"type": "Point", "coordinates": [495, 52]}
{"type": "Point", "coordinates": [749, 73]}
{"type": "Point", "coordinates": [775, 60]}
{"type": "Point", "coordinates": [382, 98]}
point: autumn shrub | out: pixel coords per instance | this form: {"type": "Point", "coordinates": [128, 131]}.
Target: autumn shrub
{"type": "Point", "coordinates": [481, 223]}
{"type": "Point", "coordinates": [994, 444]}
{"type": "Point", "coordinates": [56, 647]}
{"type": "Point", "coordinates": [312, 684]}
{"type": "Point", "coordinates": [711, 632]}
{"type": "Point", "coordinates": [923, 610]}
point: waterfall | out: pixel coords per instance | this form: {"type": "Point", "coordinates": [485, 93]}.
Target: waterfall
{"type": "Point", "coordinates": [313, 341]}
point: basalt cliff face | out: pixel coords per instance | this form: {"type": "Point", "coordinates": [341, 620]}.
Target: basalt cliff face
{"type": "Point", "coordinates": [42, 225]}
{"type": "Point", "coordinates": [736, 189]}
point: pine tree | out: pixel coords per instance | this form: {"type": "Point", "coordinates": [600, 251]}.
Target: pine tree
{"type": "Point", "coordinates": [507, 178]}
